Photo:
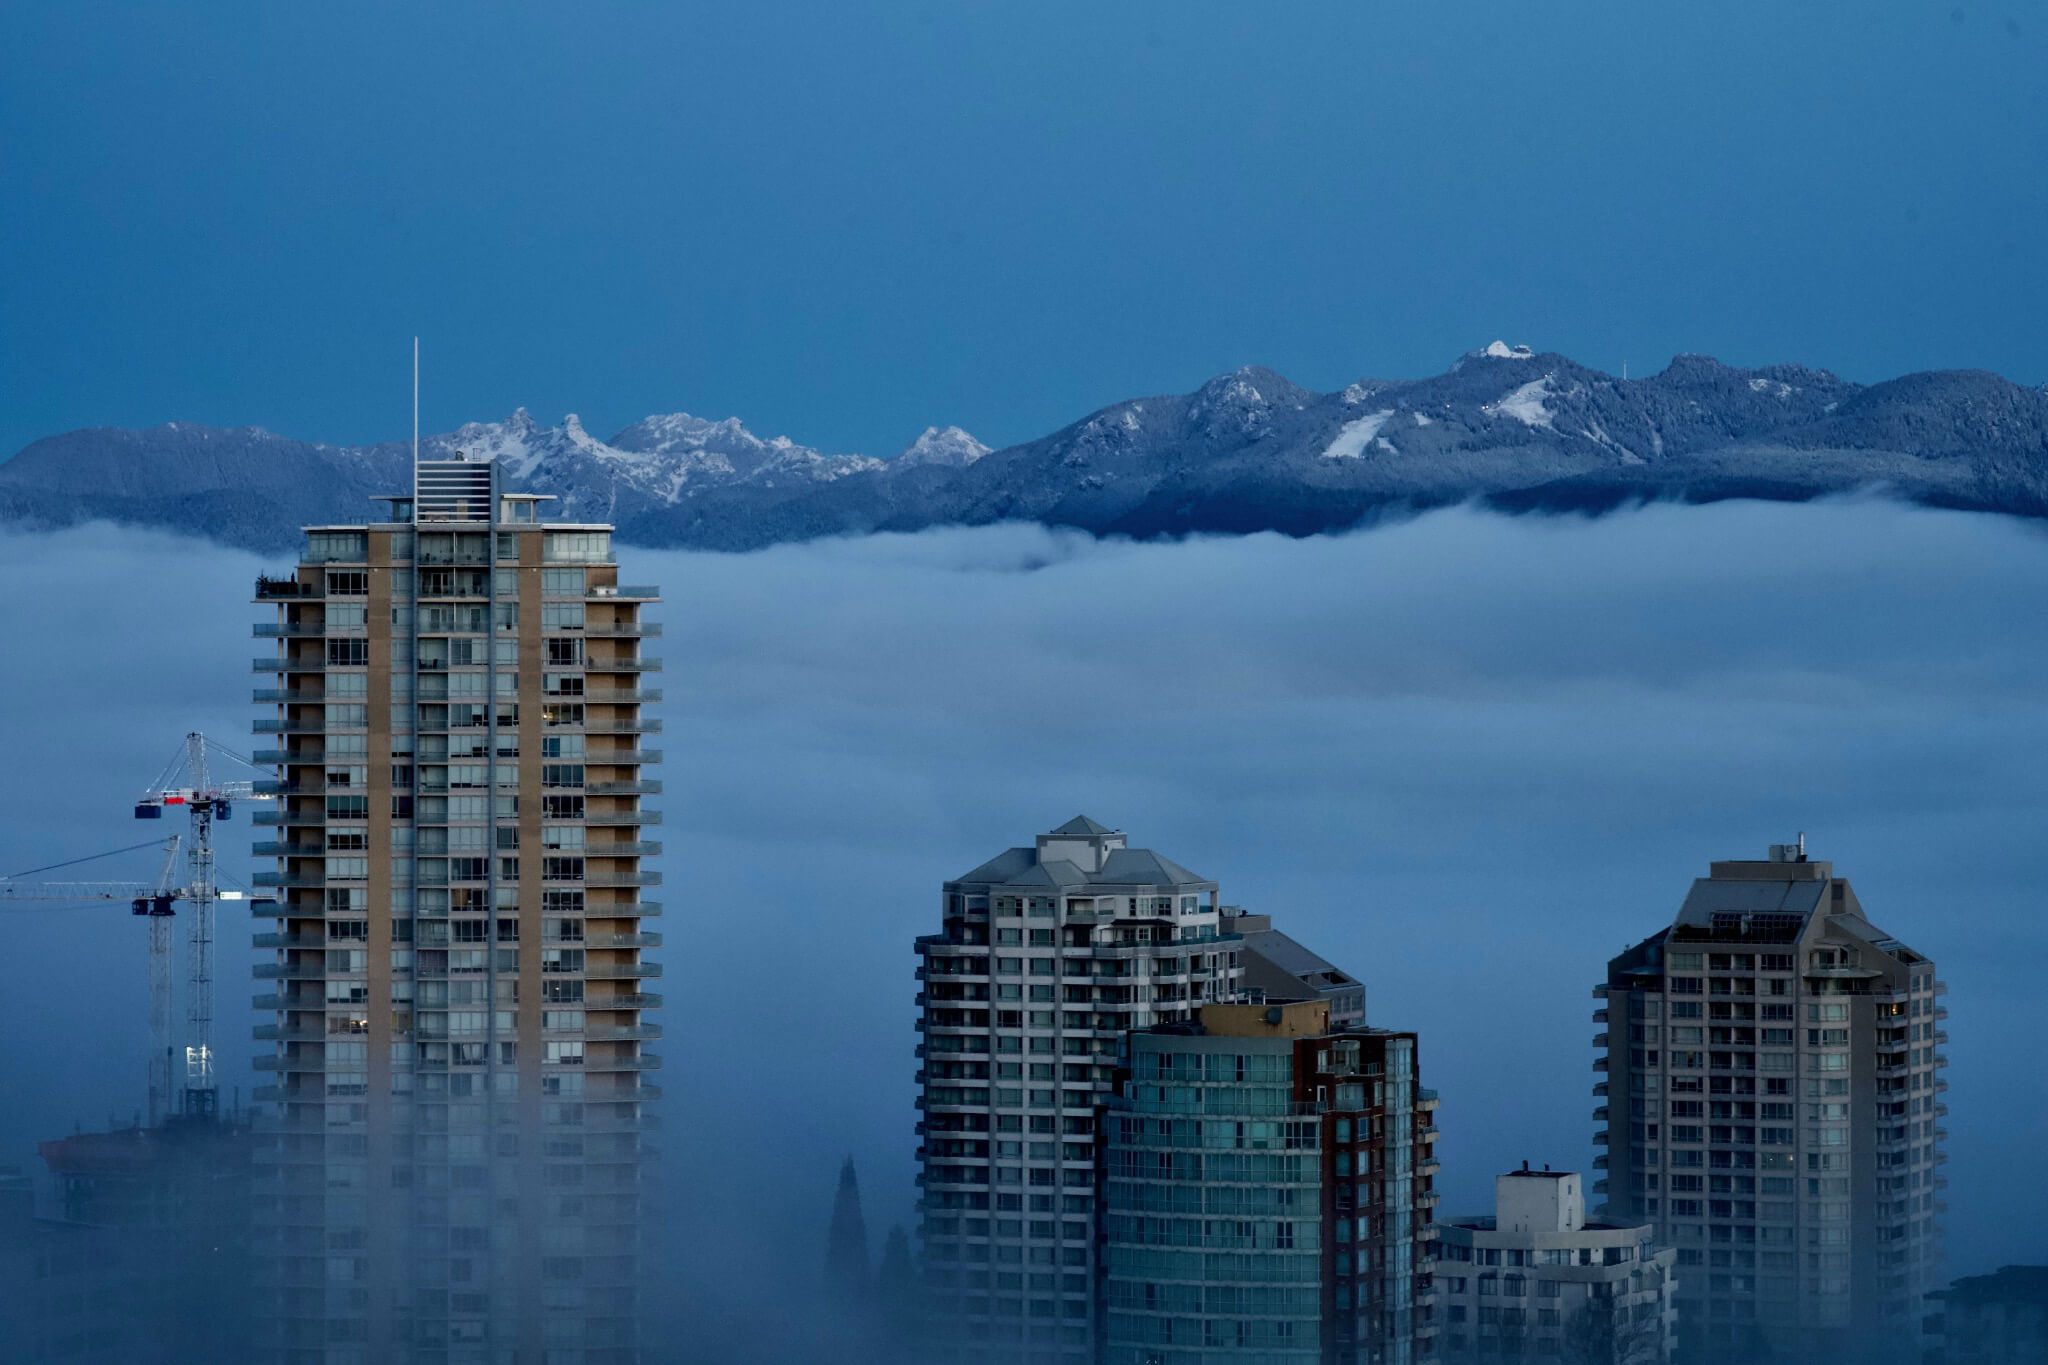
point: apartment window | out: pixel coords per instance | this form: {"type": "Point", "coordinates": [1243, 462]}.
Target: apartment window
{"type": "Point", "coordinates": [561, 616]}
{"type": "Point", "coordinates": [327, 546]}
{"type": "Point", "coordinates": [576, 547]}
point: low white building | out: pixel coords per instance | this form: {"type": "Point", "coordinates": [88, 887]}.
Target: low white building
{"type": "Point", "coordinates": [1537, 1282]}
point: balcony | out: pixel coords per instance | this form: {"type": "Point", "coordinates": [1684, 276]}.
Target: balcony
{"type": "Point", "coordinates": [624, 630]}
{"type": "Point", "coordinates": [645, 725]}
{"type": "Point", "coordinates": [622, 665]}
{"type": "Point", "coordinates": [1599, 1040]}
{"type": "Point", "coordinates": [622, 817]}
{"type": "Point", "coordinates": [280, 631]}
{"type": "Point", "coordinates": [318, 941]}
{"type": "Point", "coordinates": [642, 592]}
{"type": "Point", "coordinates": [623, 1034]}
{"type": "Point", "coordinates": [284, 1033]}
{"type": "Point", "coordinates": [622, 756]}
{"type": "Point", "coordinates": [644, 787]}
{"type": "Point", "coordinates": [273, 726]}
{"type": "Point", "coordinates": [272, 818]}
{"type": "Point", "coordinates": [620, 971]}
{"type": "Point", "coordinates": [639, 1063]}
{"type": "Point", "coordinates": [614, 696]}
{"type": "Point", "coordinates": [645, 848]}
{"type": "Point", "coordinates": [285, 694]}
{"type": "Point", "coordinates": [1600, 1016]}
{"type": "Point", "coordinates": [294, 880]}
{"type": "Point", "coordinates": [643, 1000]}
{"type": "Point", "coordinates": [276, 589]}
{"type": "Point", "coordinates": [316, 970]}
{"type": "Point", "coordinates": [309, 663]}
{"type": "Point", "coordinates": [622, 879]}
{"type": "Point", "coordinates": [279, 1001]}
{"type": "Point", "coordinates": [612, 941]}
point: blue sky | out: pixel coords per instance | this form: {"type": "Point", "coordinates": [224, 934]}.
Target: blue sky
{"type": "Point", "coordinates": [846, 222]}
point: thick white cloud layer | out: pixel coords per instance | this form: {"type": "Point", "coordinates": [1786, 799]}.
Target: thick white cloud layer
{"type": "Point", "coordinates": [1467, 757]}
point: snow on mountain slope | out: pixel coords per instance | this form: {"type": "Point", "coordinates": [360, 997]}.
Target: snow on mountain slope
{"type": "Point", "coordinates": [1353, 437]}
{"type": "Point", "coordinates": [1525, 404]}
{"type": "Point", "coordinates": [947, 446]}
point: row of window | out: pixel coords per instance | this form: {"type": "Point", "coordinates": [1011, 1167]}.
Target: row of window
{"type": "Point", "coordinates": [455, 547]}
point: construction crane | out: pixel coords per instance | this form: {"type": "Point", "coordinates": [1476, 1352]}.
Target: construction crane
{"type": "Point", "coordinates": [151, 900]}
{"type": "Point", "coordinates": [186, 782]}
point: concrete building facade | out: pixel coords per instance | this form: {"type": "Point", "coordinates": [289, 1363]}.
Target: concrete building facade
{"type": "Point", "coordinates": [1048, 956]}
{"type": "Point", "coordinates": [458, 1002]}
{"type": "Point", "coordinates": [1268, 1188]}
{"type": "Point", "coordinates": [1537, 1280]}
{"type": "Point", "coordinates": [1770, 1100]}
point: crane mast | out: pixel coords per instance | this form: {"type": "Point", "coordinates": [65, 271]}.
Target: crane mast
{"type": "Point", "coordinates": [202, 1093]}
{"type": "Point", "coordinates": [186, 782]}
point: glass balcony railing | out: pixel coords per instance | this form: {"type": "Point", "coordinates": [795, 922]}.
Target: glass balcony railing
{"type": "Point", "coordinates": [623, 817]}
{"type": "Point", "coordinates": [642, 1000]}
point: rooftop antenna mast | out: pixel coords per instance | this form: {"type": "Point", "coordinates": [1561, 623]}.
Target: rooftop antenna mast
{"type": "Point", "coordinates": [415, 401]}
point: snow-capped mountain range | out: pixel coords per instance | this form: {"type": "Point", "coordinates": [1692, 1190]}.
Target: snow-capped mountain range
{"type": "Point", "coordinates": [1247, 451]}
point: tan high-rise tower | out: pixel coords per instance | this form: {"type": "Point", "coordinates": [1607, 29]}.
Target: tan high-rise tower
{"type": "Point", "coordinates": [453, 1173]}
{"type": "Point", "coordinates": [1771, 1100]}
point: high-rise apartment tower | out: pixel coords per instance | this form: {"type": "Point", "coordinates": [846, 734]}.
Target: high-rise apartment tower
{"type": "Point", "coordinates": [1771, 1100]}
{"type": "Point", "coordinates": [1049, 955]}
{"type": "Point", "coordinates": [458, 1004]}
{"type": "Point", "coordinates": [1268, 1188]}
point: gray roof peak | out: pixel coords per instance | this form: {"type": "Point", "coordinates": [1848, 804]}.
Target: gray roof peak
{"type": "Point", "coordinates": [1082, 825]}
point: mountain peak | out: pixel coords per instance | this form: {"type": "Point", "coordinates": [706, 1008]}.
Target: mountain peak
{"type": "Point", "coordinates": [947, 446]}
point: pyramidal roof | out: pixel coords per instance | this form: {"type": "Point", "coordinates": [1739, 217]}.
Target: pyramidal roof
{"type": "Point", "coordinates": [1081, 824]}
